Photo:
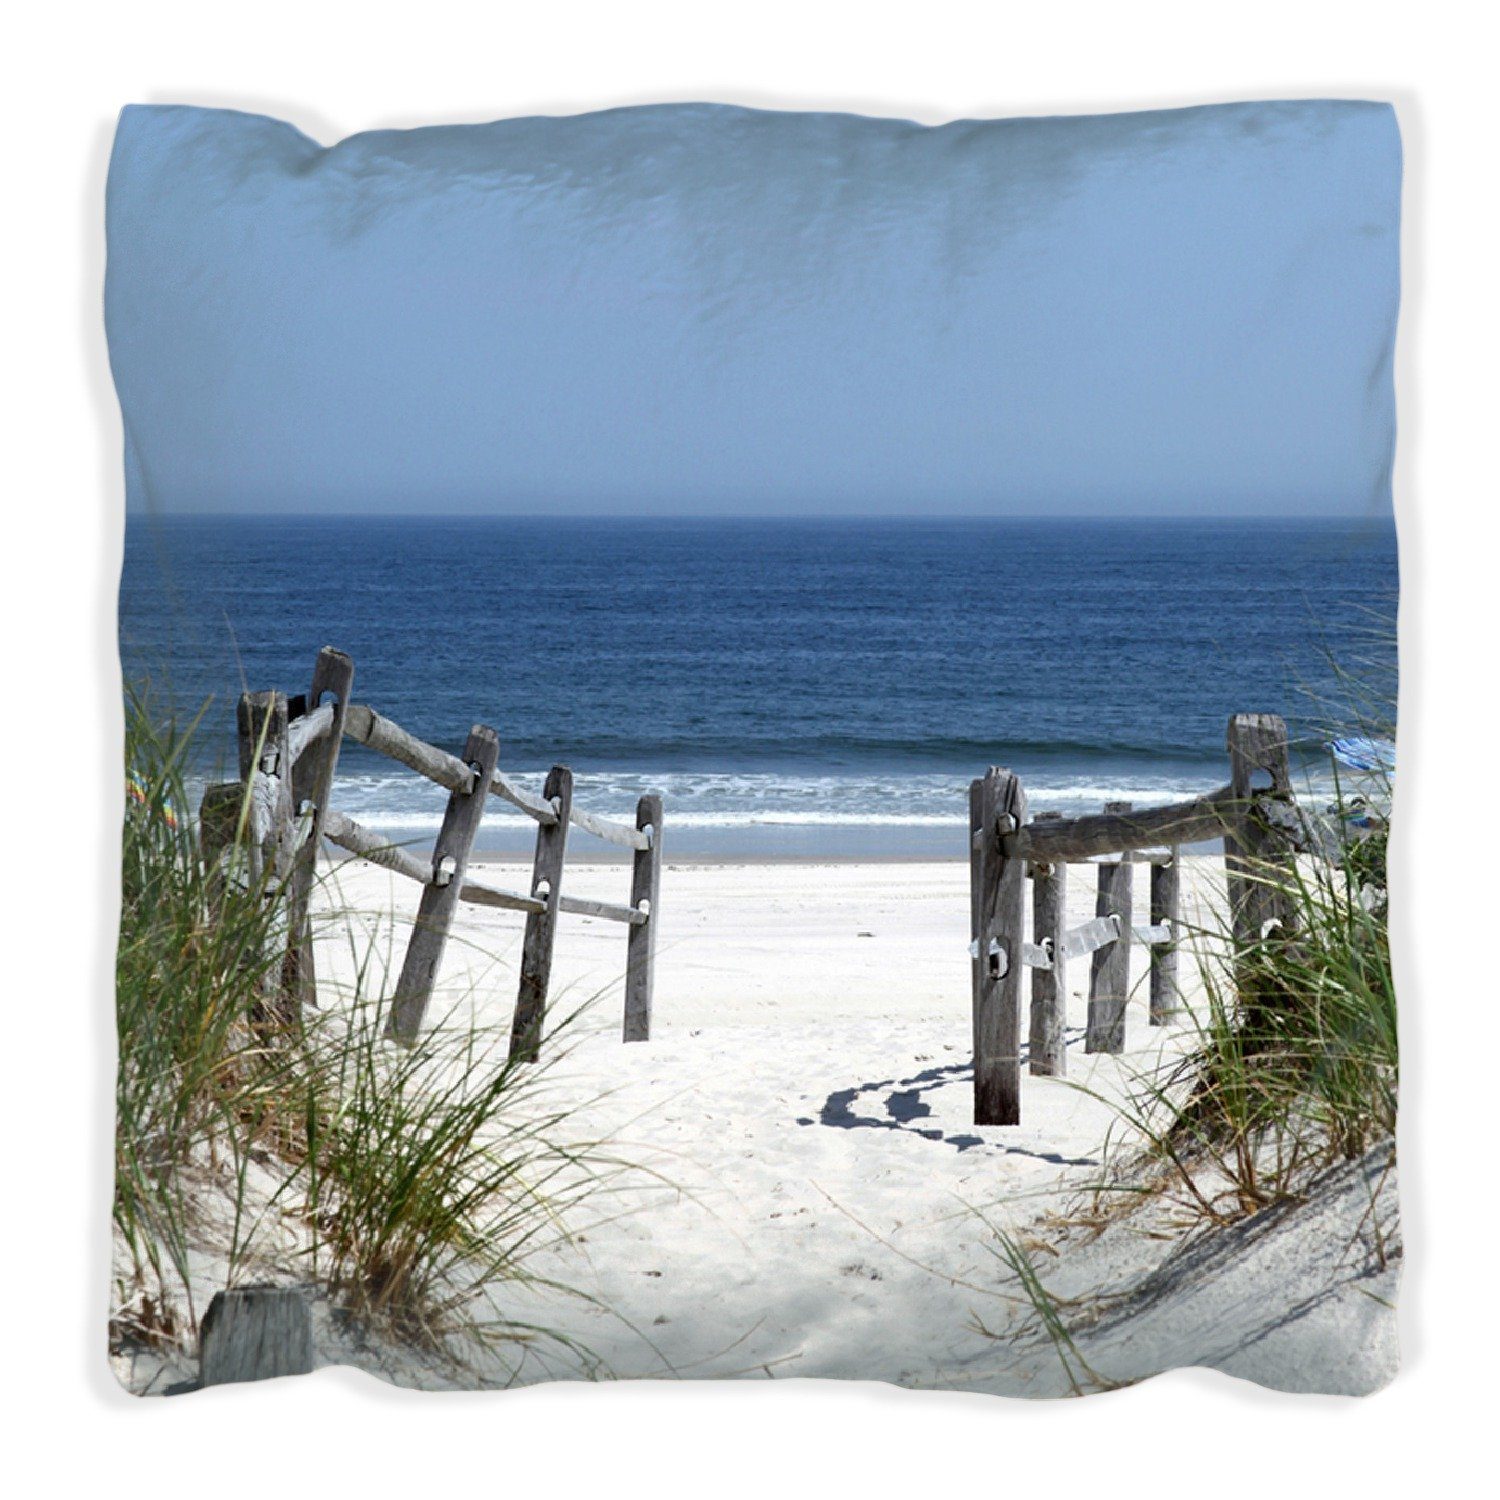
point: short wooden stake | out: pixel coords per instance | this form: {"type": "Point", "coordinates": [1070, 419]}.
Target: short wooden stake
{"type": "Point", "coordinates": [1166, 910]}
{"type": "Point", "coordinates": [1049, 987]}
{"type": "Point", "coordinates": [312, 782]}
{"type": "Point", "coordinates": [541, 927]}
{"type": "Point", "coordinates": [640, 942]}
{"type": "Point", "coordinates": [1109, 977]}
{"type": "Point", "coordinates": [450, 858]}
{"type": "Point", "coordinates": [997, 811]}
{"type": "Point", "coordinates": [255, 1333]}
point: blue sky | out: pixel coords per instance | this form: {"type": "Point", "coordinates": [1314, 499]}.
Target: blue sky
{"type": "Point", "coordinates": [699, 310]}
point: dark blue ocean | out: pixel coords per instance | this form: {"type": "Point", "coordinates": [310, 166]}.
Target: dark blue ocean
{"type": "Point", "coordinates": [794, 687]}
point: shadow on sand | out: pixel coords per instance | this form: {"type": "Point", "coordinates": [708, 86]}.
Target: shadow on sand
{"type": "Point", "coordinates": [900, 1103]}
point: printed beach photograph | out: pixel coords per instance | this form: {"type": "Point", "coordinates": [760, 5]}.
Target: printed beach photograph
{"type": "Point", "coordinates": [758, 745]}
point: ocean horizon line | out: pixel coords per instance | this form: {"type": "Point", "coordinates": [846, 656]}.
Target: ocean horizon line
{"type": "Point", "coordinates": [804, 518]}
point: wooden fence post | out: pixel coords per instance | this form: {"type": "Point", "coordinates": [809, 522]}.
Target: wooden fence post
{"type": "Point", "coordinates": [1109, 976]}
{"type": "Point", "coordinates": [1049, 987]}
{"type": "Point", "coordinates": [976, 890]}
{"type": "Point", "coordinates": [218, 818]}
{"type": "Point", "coordinates": [450, 857]}
{"type": "Point", "coordinates": [1257, 854]}
{"type": "Point", "coordinates": [255, 1333]}
{"type": "Point", "coordinates": [312, 782]}
{"type": "Point", "coordinates": [262, 724]}
{"type": "Point", "coordinates": [997, 902]}
{"type": "Point", "coordinates": [265, 773]}
{"type": "Point", "coordinates": [541, 927]}
{"type": "Point", "coordinates": [1166, 910]}
{"type": "Point", "coordinates": [640, 941]}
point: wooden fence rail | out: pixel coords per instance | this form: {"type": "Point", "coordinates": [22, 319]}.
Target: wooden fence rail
{"type": "Point", "coordinates": [288, 754]}
{"type": "Point", "coordinates": [380, 733]}
{"type": "Point", "coordinates": [1007, 852]}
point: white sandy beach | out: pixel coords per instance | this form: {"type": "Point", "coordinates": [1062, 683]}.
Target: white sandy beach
{"type": "Point", "coordinates": [806, 1094]}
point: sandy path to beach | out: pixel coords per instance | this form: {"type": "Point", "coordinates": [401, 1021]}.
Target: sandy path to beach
{"type": "Point", "coordinates": [807, 1093]}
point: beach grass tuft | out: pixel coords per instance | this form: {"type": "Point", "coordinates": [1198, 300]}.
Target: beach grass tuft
{"type": "Point", "coordinates": [196, 1085]}
{"type": "Point", "coordinates": [436, 1172]}
{"type": "Point", "coordinates": [1294, 1062]}
{"type": "Point", "coordinates": [407, 1184]}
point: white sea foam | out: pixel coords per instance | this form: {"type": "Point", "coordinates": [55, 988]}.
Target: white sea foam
{"type": "Point", "coordinates": [403, 805]}
{"type": "Point", "coordinates": [756, 800]}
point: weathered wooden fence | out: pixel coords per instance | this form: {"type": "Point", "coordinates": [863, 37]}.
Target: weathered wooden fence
{"type": "Point", "coordinates": [289, 751]}
{"type": "Point", "coordinates": [1254, 814]}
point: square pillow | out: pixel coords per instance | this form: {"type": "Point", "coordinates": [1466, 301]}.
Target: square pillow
{"type": "Point", "coordinates": [759, 744]}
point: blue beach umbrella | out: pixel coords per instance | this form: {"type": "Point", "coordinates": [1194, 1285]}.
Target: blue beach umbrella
{"type": "Point", "coordinates": [1361, 753]}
